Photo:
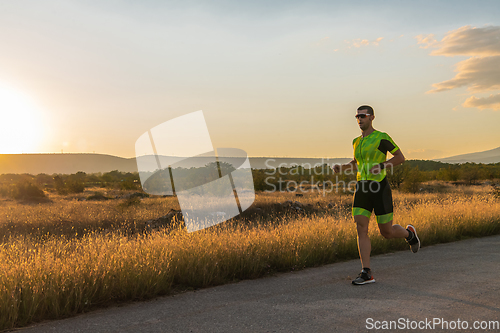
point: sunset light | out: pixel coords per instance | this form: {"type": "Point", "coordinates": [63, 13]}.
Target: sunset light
{"type": "Point", "coordinates": [20, 122]}
{"type": "Point", "coordinates": [228, 166]}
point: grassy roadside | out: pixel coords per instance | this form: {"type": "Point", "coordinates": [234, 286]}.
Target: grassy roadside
{"type": "Point", "coordinates": [58, 276]}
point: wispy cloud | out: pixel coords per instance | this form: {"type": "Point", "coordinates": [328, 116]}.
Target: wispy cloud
{"type": "Point", "coordinates": [326, 42]}
{"type": "Point", "coordinates": [467, 41]}
{"type": "Point", "coordinates": [490, 102]}
{"type": "Point", "coordinates": [426, 41]}
{"type": "Point", "coordinates": [393, 39]}
{"type": "Point", "coordinates": [358, 42]}
{"type": "Point", "coordinates": [479, 73]}
{"type": "Point", "coordinates": [323, 41]}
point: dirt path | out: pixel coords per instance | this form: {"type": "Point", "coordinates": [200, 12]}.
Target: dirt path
{"type": "Point", "coordinates": [451, 282]}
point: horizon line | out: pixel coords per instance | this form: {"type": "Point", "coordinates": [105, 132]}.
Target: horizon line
{"type": "Point", "coordinates": [87, 153]}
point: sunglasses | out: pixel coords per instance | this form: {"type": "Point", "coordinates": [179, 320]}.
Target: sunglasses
{"type": "Point", "coordinates": [362, 115]}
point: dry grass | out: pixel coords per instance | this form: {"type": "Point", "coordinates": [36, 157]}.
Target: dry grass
{"type": "Point", "coordinates": [50, 272]}
{"type": "Point", "coordinates": [63, 216]}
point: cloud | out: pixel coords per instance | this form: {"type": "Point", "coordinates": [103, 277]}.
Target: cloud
{"type": "Point", "coordinates": [323, 41]}
{"type": "Point", "coordinates": [377, 41]}
{"type": "Point", "coordinates": [478, 74]}
{"type": "Point", "coordinates": [490, 102]}
{"type": "Point", "coordinates": [393, 39]}
{"type": "Point", "coordinates": [483, 42]}
{"type": "Point", "coordinates": [358, 42]}
{"type": "Point", "coordinates": [426, 41]}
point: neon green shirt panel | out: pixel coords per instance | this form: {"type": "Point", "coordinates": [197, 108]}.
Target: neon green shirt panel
{"type": "Point", "coordinates": [372, 150]}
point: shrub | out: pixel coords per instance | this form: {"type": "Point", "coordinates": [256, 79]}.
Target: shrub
{"type": "Point", "coordinates": [451, 173]}
{"type": "Point", "coordinates": [131, 201]}
{"type": "Point", "coordinates": [397, 175]}
{"type": "Point", "coordinates": [97, 196]}
{"type": "Point", "coordinates": [130, 184]}
{"type": "Point", "coordinates": [413, 181]}
{"type": "Point", "coordinates": [59, 185]}
{"type": "Point", "coordinates": [74, 186]}
{"type": "Point", "coordinates": [496, 192]}
{"type": "Point", "coordinates": [4, 191]}
{"type": "Point", "coordinates": [26, 190]}
{"type": "Point", "coordinates": [470, 173]}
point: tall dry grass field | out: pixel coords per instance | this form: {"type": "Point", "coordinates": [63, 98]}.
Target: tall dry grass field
{"type": "Point", "coordinates": [65, 257]}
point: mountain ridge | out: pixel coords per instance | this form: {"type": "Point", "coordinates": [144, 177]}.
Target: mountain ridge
{"type": "Point", "coordinates": [485, 157]}
{"type": "Point", "coordinates": [69, 163]}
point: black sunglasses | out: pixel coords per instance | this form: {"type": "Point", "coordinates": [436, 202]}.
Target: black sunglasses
{"type": "Point", "coordinates": [362, 115]}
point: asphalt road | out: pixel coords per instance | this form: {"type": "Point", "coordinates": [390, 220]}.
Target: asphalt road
{"type": "Point", "coordinates": [453, 282]}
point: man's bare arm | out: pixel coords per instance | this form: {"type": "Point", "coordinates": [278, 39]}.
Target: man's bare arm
{"type": "Point", "coordinates": [396, 159]}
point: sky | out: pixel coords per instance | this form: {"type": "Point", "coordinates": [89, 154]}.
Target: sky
{"type": "Point", "coordinates": [279, 79]}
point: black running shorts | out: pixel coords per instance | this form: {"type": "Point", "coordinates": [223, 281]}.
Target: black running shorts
{"type": "Point", "coordinates": [375, 196]}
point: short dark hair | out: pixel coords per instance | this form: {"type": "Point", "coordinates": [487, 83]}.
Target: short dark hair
{"type": "Point", "coordinates": [368, 109]}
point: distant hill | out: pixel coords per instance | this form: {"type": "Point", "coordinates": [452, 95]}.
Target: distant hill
{"type": "Point", "coordinates": [92, 163]}
{"type": "Point", "coordinates": [64, 163]}
{"type": "Point", "coordinates": [486, 157]}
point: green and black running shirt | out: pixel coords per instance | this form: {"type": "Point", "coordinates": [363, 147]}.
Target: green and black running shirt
{"type": "Point", "coordinates": [372, 150]}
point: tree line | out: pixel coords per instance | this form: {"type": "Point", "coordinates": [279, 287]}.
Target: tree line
{"type": "Point", "coordinates": [406, 177]}
{"type": "Point", "coordinates": [22, 186]}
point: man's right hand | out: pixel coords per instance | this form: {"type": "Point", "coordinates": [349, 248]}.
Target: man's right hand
{"type": "Point", "coordinates": [336, 168]}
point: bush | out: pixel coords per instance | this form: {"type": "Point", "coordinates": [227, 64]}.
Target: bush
{"type": "Point", "coordinates": [496, 192]}
{"type": "Point", "coordinates": [97, 196]}
{"type": "Point", "coordinates": [397, 175]}
{"type": "Point", "coordinates": [470, 173]}
{"type": "Point", "coordinates": [75, 186]}
{"type": "Point", "coordinates": [4, 191]}
{"type": "Point", "coordinates": [132, 201]}
{"type": "Point", "coordinates": [59, 184]}
{"type": "Point", "coordinates": [26, 190]}
{"type": "Point", "coordinates": [451, 173]}
{"type": "Point", "coordinates": [413, 181]}
{"type": "Point", "coordinates": [130, 184]}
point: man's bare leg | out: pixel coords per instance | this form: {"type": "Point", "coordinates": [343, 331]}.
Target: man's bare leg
{"type": "Point", "coordinates": [364, 245]}
{"type": "Point", "coordinates": [396, 231]}
{"type": "Point", "coordinates": [388, 230]}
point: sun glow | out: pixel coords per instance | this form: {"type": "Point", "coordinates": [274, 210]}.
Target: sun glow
{"type": "Point", "coordinates": [20, 123]}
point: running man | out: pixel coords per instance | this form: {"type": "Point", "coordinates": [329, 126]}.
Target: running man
{"type": "Point", "coordinates": [372, 189]}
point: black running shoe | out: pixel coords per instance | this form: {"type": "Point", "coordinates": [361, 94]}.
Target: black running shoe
{"type": "Point", "coordinates": [363, 278]}
{"type": "Point", "coordinates": [414, 242]}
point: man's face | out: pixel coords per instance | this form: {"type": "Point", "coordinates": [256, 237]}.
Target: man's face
{"type": "Point", "coordinates": [364, 119]}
